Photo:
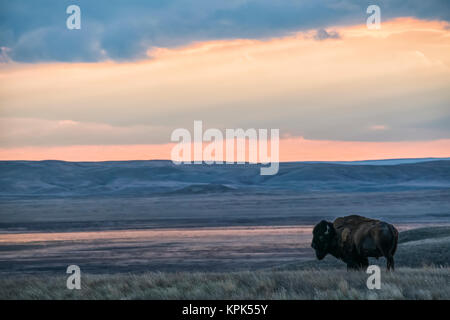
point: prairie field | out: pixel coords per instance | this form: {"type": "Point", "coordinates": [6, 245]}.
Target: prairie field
{"type": "Point", "coordinates": [424, 273]}
{"type": "Point", "coordinates": [150, 230]}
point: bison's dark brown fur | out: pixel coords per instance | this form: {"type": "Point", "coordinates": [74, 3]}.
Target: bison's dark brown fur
{"type": "Point", "coordinates": [353, 239]}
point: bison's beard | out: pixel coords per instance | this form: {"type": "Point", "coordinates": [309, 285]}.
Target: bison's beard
{"type": "Point", "coordinates": [320, 255]}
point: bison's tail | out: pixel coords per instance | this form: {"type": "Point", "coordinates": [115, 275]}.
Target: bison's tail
{"type": "Point", "coordinates": [395, 236]}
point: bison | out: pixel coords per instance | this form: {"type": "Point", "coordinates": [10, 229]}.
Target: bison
{"type": "Point", "coordinates": [353, 239]}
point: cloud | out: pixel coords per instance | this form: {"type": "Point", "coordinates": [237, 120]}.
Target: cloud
{"type": "Point", "coordinates": [323, 34]}
{"type": "Point", "coordinates": [378, 127]}
{"type": "Point", "coordinates": [35, 31]}
{"type": "Point", "coordinates": [321, 90]}
{"type": "Point", "coordinates": [20, 132]}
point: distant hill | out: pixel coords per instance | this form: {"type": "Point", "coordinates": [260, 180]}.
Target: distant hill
{"type": "Point", "coordinates": [383, 161]}
{"type": "Point", "coordinates": [59, 178]}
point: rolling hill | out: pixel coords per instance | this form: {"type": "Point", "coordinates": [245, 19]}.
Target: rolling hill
{"type": "Point", "coordinates": [61, 179]}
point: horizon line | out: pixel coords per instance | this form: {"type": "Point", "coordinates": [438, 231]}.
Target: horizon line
{"type": "Point", "coordinates": [224, 162]}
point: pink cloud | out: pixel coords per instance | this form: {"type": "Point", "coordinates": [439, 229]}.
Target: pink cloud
{"type": "Point", "coordinates": [378, 127]}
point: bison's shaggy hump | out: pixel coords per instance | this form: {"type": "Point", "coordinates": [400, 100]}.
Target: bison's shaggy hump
{"type": "Point", "coordinates": [352, 221]}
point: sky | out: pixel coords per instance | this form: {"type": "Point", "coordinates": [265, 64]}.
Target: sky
{"type": "Point", "coordinates": [137, 70]}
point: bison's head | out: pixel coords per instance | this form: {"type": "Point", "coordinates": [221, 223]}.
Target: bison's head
{"type": "Point", "coordinates": [323, 235]}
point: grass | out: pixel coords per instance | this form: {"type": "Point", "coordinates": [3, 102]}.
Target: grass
{"type": "Point", "coordinates": [405, 283]}
{"type": "Point", "coordinates": [423, 272]}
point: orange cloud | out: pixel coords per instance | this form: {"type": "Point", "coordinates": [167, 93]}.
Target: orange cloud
{"type": "Point", "coordinates": [291, 149]}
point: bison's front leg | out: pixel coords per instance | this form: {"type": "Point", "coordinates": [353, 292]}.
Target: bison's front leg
{"type": "Point", "coordinates": [353, 266]}
{"type": "Point", "coordinates": [358, 263]}
{"type": "Point", "coordinates": [364, 263]}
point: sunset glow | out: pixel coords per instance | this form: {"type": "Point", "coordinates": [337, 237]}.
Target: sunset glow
{"type": "Point", "coordinates": [365, 95]}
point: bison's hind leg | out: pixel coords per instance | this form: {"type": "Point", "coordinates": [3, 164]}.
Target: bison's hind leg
{"type": "Point", "coordinates": [390, 263]}
{"type": "Point", "coordinates": [387, 250]}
